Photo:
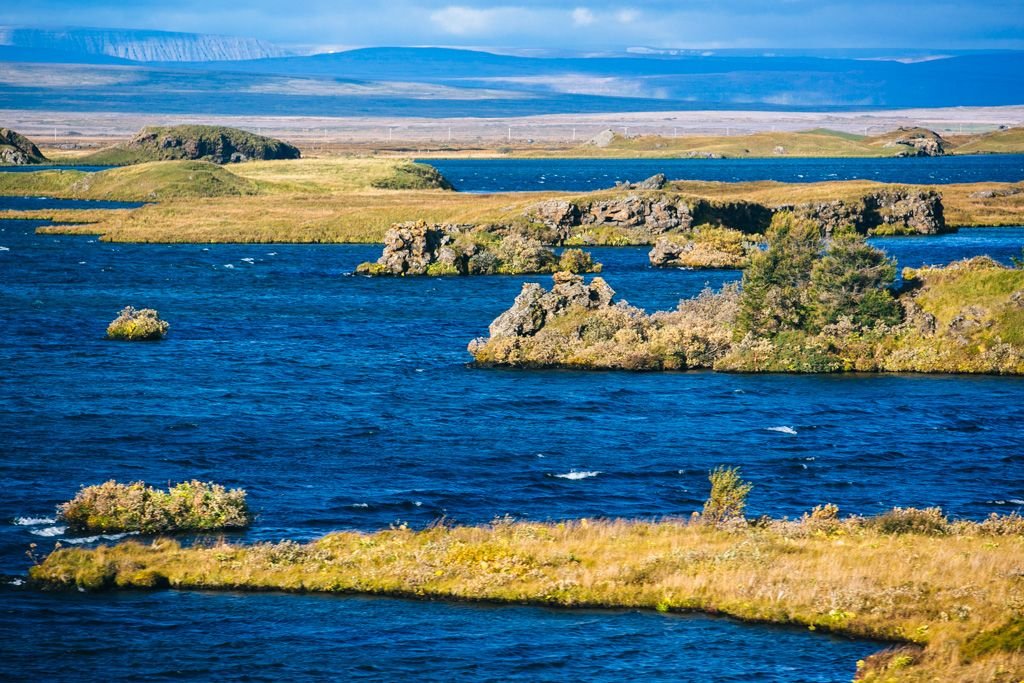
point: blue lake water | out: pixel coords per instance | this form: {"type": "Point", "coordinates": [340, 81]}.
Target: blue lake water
{"type": "Point", "coordinates": [346, 402]}
{"type": "Point", "coordinates": [577, 175]}
{"type": "Point", "coordinates": [33, 168]}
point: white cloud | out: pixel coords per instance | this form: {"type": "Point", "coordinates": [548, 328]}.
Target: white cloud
{"type": "Point", "coordinates": [627, 16]}
{"type": "Point", "coordinates": [462, 21]}
{"type": "Point", "coordinates": [582, 16]}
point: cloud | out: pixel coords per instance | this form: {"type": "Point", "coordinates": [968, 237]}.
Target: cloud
{"type": "Point", "coordinates": [582, 16]}
{"type": "Point", "coordinates": [627, 16]}
{"type": "Point", "coordinates": [464, 21]}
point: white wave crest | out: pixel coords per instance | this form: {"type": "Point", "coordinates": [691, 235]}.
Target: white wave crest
{"type": "Point", "coordinates": [33, 521]}
{"type": "Point", "coordinates": [782, 430]}
{"type": "Point", "coordinates": [100, 537]}
{"type": "Point", "coordinates": [577, 475]}
{"type": "Point", "coordinates": [50, 531]}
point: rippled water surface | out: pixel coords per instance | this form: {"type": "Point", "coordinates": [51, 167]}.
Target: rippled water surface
{"type": "Point", "coordinates": [576, 175]}
{"type": "Point", "coordinates": [346, 402]}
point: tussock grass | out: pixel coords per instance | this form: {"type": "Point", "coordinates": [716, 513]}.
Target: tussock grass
{"type": "Point", "coordinates": [188, 506]}
{"type": "Point", "coordinates": [143, 324]}
{"type": "Point", "coordinates": [936, 593]}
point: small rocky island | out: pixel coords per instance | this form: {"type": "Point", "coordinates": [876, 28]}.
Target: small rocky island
{"type": "Point", "coordinates": [448, 249]}
{"type": "Point", "coordinates": [807, 304]}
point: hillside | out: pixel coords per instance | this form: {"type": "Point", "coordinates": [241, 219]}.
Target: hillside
{"type": "Point", "coordinates": [218, 144]}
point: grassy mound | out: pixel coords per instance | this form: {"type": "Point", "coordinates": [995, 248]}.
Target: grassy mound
{"type": "Point", "coordinates": [409, 176]}
{"type": "Point", "coordinates": [188, 506]}
{"type": "Point", "coordinates": [137, 325]}
{"type": "Point", "coordinates": [217, 144]}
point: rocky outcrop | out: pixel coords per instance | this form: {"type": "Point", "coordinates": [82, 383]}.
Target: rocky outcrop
{"type": "Point", "coordinates": [997, 193]}
{"type": "Point", "coordinates": [451, 249]}
{"type": "Point", "coordinates": [904, 212]}
{"type": "Point", "coordinates": [654, 214]}
{"type": "Point", "coordinates": [655, 182]}
{"type": "Point", "coordinates": [534, 305]}
{"type": "Point", "coordinates": [218, 144]}
{"type": "Point", "coordinates": [18, 150]}
{"type": "Point", "coordinates": [921, 141]}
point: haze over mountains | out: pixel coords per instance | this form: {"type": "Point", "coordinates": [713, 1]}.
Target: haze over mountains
{"type": "Point", "coordinates": [150, 71]}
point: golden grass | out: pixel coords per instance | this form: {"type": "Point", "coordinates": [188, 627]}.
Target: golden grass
{"type": "Point", "coordinates": [334, 200]}
{"type": "Point", "coordinates": [932, 591]}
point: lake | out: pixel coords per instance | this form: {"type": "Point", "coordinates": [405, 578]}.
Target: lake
{"type": "Point", "coordinates": [347, 402]}
{"type": "Point", "coordinates": [578, 175]}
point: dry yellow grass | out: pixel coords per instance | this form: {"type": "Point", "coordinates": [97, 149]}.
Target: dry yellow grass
{"type": "Point", "coordinates": [333, 200]}
{"type": "Point", "coordinates": [933, 592]}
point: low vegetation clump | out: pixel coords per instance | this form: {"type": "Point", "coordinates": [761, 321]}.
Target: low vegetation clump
{"type": "Point", "coordinates": [137, 324]}
{"type": "Point", "coordinates": [429, 249]}
{"type": "Point", "coordinates": [705, 246]}
{"type": "Point", "coordinates": [807, 304]}
{"type": "Point", "coordinates": [952, 602]}
{"type": "Point", "coordinates": [410, 176]}
{"type": "Point", "coordinates": [188, 506]}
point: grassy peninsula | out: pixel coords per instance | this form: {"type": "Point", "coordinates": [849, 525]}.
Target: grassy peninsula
{"type": "Point", "coordinates": [947, 594]}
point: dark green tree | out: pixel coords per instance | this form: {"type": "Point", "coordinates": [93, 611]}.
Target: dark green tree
{"type": "Point", "coordinates": [852, 280]}
{"type": "Point", "coordinates": [776, 283]}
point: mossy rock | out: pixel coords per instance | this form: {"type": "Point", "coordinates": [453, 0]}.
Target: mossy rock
{"type": "Point", "coordinates": [134, 324]}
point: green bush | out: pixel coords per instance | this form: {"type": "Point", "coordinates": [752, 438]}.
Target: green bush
{"type": "Point", "coordinates": [578, 261]}
{"type": "Point", "coordinates": [188, 506]}
{"type": "Point", "coordinates": [728, 497]}
{"type": "Point", "coordinates": [143, 324]}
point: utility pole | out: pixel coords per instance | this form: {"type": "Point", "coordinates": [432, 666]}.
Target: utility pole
{"type": "Point", "coordinates": [449, 133]}
{"type": "Point", "coordinates": [389, 133]}
{"type": "Point", "coordinates": [574, 134]}
{"type": "Point", "coordinates": [510, 133]}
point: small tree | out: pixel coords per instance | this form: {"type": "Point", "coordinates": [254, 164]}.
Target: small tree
{"type": "Point", "coordinates": [775, 283]}
{"type": "Point", "coordinates": [851, 280]}
{"type": "Point", "coordinates": [728, 496]}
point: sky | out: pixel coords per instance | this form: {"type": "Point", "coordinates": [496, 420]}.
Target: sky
{"type": "Point", "coordinates": [552, 25]}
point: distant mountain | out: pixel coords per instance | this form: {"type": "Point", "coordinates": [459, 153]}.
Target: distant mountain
{"type": "Point", "coordinates": [439, 82]}
{"type": "Point", "coordinates": [139, 46]}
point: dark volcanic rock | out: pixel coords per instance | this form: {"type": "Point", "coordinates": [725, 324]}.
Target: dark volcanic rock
{"type": "Point", "coordinates": [655, 215]}
{"type": "Point", "coordinates": [534, 304]}
{"type": "Point", "coordinates": [655, 182]}
{"type": "Point", "coordinates": [18, 150]}
{"type": "Point", "coordinates": [917, 212]}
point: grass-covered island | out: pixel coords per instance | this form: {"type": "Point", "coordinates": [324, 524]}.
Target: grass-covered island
{"type": "Point", "coordinates": [422, 249]}
{"type": "Point", "coordinates": [188, 506]}
{"type": "Point", "coordinates": [808, 303]}
{"type": "Point", "coordinates": [947, 594]}
{"type": "Point", "coordinates": [137, 324]}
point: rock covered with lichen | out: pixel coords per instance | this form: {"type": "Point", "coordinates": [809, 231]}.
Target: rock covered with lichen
{"type": "Point", "coordinates": [422, 248]}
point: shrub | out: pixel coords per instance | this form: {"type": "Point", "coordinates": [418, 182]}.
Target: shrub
{"type": "Point", "coordinates": [928, 521]}
{"type": "Point", "coordinates": [188, 506]}
{"type": "Point", "coordinates": [133, 324]}
{"type": "Point", "coordinates": [728, 496]}
{"type": "Point", "coordinates": [578, 261]}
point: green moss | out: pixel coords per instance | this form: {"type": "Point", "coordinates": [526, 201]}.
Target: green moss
{"type": "Point", "coordinates": [1006, 638]}
{"type": "Point", "coordinates": [219, 144]}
